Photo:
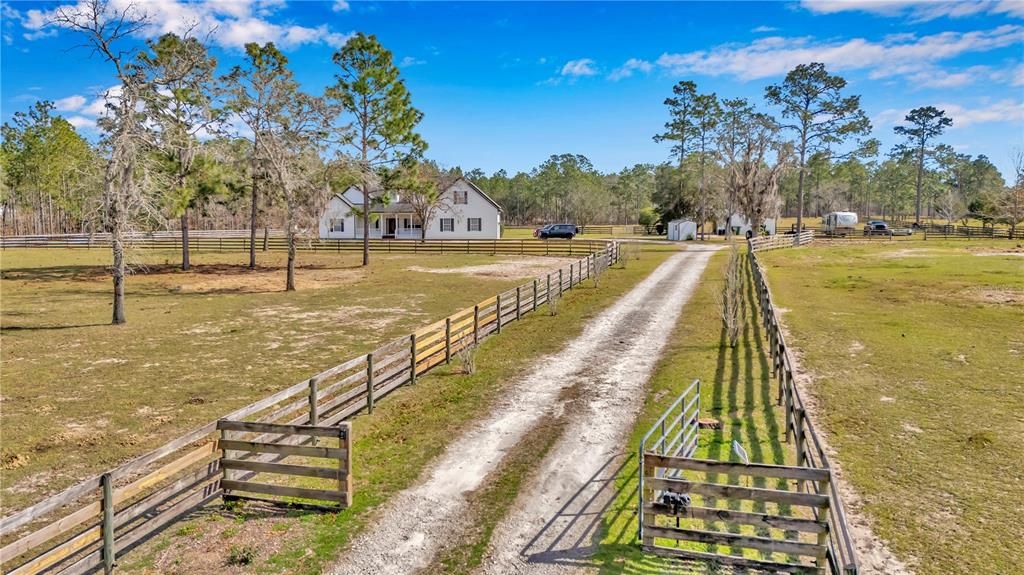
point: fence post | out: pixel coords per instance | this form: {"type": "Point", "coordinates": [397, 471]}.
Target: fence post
{"type": "Point", "coordinates": [412, 362]}
{"type": "Point", "coordinates": [447, 340]}
{"type": "Point", "coordinates": [519, 300]}
{"type": "Point", "coordinates": [534, 294]}
{"type": "Point", "coordinates": [799, 436]}
{"type": "Point", "coordinates": [345, 480]}
{"type": "Point", "coordinates": [476, 324]}
{"type": "Point", "coordinates": [497, 311]}
{"type": "Point", "coordinates": [108, 523]}
{"type": "Point", "coordinates": [369, 382]}
{"type": "Point", "coordinates": [570, 276]}
{"type": "Point", "coordinates": [560, 282]}
{"type": "Point", "coordinates": [824, 488]}
{"type": "Point", "coordinates": [787, 401]}
{"type": "Point", "coordinates": [547, 294]}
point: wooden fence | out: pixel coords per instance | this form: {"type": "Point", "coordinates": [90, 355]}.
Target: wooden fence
{"type": "Point", "coordinates": [762, 243]}
{"type": "Point", "coordinates": [166, 241]}
{"type": "Point", "coordinates": [925, 230]}
{"type": "Point", "coordinates": [809, 449]}
{"type": "Point", "coordinates": [792, 531]}
{"type": "Point", "coordinates": [239, 453]}
{"type": "Point", "coordinates": [68, 532]}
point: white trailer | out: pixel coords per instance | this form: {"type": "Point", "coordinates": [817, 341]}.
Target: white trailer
{"type": "Point", "coordinates": [839, 223]}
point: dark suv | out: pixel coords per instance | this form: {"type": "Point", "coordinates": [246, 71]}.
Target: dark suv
{"type": "Point", "coordinates": [566, 231]}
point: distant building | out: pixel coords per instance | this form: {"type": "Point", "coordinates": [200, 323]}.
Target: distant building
{"type": "Point", "coordinates": [465, 212]}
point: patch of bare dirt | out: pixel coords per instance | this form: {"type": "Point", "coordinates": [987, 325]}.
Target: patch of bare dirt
{"type": "Point", "coordinates": [610, 362]}
{"type": "Point", "coordinates": [906, 253]}
{"type": "Point", "coordinates": [1008, 250]}
{"type": "Point", "coordinates": [995, 296]}
{"type": "Point", "coordinates": [205, 545]}
{"type": "Point", "coordinates": [515, 268]}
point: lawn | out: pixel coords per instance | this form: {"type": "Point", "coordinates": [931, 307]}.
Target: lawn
{"type": "Point", "coordinates": [406, 431]}
{"type": "Point", "coordinates": [736, 388]}
{"type": "Point", "coordinates": [917, 357]}
{"type": "Point", "coordinates": [80, 395]}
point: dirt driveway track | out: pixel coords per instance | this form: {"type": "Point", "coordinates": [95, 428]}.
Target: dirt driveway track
{"type": "Point", "coordinates": [553, 519]}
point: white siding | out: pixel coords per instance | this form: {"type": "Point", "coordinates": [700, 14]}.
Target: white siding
{"type": "Point", "coordinates": [476, 206]}
{"type": "Point", "coordinates": [337, 209]}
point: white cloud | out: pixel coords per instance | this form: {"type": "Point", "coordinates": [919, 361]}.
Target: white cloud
{"type": "Point", "coordinates": [1001, 111]}
{"type": "Point", "coordinates": [69, 104]}
{"type": "Point", "coordinates": [918, 10]}
{"type": "Point", "coordinates": [893, 55]}
{"type": "Point", "coordinates": [230, 23]}
{"type": "Point", "coordinates": [82, 123]}
{"type": "Point", "coordinates": [577, 68]}
{"type": "Point", "coordinates": [764, 29]}
{"type": "Point", "coordinates": [1018, 76]}
{"type": "Point", "coordinates": [410, 61]}
{"type": "Point", "coordinates": [340, 6]}
{"type": "Point", "coordinates": [632, 65]}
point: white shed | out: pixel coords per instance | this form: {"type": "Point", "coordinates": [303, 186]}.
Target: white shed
{"type": "Point", "coordinates": [680, 230]}
{"type": "Point", "coordinates": [742, 227]}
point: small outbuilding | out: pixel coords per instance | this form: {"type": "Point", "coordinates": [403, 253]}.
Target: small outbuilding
{"type": "Point", "coordinates": [681, 230]}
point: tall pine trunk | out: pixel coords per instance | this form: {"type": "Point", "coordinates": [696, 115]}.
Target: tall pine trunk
{"type": "Point", "coordinates": [185, 264]}
{"type": "Point", "coordinates": [366, 224]}
{"type": "Point", "coordinates": [252, 221]}
{"type": "Point", "coordinates": [290, 281]}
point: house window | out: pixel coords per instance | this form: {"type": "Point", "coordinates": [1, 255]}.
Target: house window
{"type": "Point", "coordinates": [461, 197]}
{"type": "Point", "coordinates": [376, 224]}
{"type": "Point", "coordinates": [447, 224]}
{"type": "Point", "coordinates": [473, 224]}
{"type": "Point", "coordinates": [405, 224]}
{"type": "Point", "coordinates": [337, 224]}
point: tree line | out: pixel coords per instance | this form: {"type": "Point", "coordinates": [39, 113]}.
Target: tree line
{"type": "Point", "coordinates": [177, 139]}
{"type": "Point", "coordinates": [184, 146]}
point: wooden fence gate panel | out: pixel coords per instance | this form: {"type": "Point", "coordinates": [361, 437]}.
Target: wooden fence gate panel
{"type": "Point", "coordinates": [257, 455]}
{"type": "Point", "coordinates": [770, 517]}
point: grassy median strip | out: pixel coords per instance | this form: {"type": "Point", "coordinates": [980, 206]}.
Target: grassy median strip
{"type": "Point", "coordinates": [736, 389]}
{"type": "Point", "coordinates": [406, 431]}
{"type": "Point", "coordinates": [918, 364]}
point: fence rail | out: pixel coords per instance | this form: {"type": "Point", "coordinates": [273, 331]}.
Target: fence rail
{"type": "Point", "coordinates": [68, 532]}
{"type": "Point", "coordinates": [279, 243]}
{"type": "Point", "coordinates": [763, 243]}
{"type": "Point", "coordinates": [809, 449]}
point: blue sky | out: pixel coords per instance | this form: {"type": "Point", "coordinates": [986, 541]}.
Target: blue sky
{"type": "Point", "coordinates": [504, 85]}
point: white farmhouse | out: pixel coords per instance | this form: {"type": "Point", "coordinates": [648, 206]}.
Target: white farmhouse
{"type": "Point", "coordinates": [464, 213]}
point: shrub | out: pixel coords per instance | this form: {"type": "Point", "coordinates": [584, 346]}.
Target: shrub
{"type": "Point", "coordinates": [243, 555]}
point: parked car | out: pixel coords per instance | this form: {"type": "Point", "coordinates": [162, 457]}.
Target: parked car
{"type": "Point", "coordinates": [877, 227]}
{"type": "Point", "coordinates": [567, 231]}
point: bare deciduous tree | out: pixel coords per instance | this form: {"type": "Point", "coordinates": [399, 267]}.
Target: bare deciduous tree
{"type": "Point", "coordinates": [747, 141]}
{"type": "Point", "coordinates": [128, 182]}
{"type": "Point", "coordinates": [732, 299]}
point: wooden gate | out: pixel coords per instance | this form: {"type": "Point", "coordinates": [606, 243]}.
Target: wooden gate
{"type": "Point", "coordinates": [770, 517]}
{"type": "Point", "coordinates": [250, 448]}
{"type": "Point", "coordinates": [697, 515]}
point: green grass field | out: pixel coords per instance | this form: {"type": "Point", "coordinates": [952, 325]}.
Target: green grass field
{"type": "Point", "coordinates": [80, 395]}
{"type": "Point", "coordinates": [406, 431]}
{"type": "Point", "coordinates": [918, 361]}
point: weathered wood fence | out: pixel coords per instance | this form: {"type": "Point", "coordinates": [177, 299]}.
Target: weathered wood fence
{"type": "Point", "coordinates": [228, 243]}
{"type": "Point", "coordinates": [86, 526]}
{"type": "Point", "coordinates": [239, 449]}
{"type": "Point", "coordinates": [809, 449]}
{"type": "Point", "coordinates": [762, 243]}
